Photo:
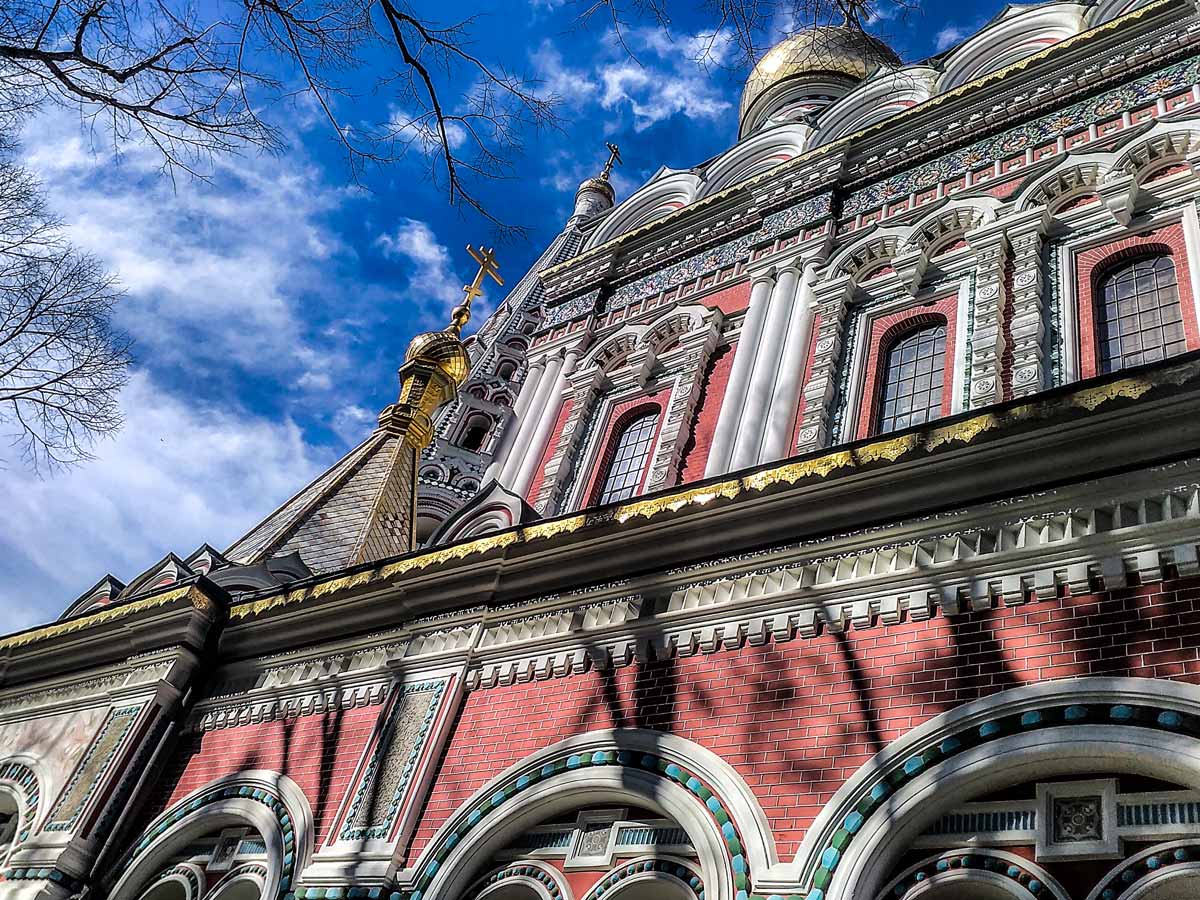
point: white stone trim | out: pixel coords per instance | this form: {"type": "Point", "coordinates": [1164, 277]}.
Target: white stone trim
{"type": "Point", "coordinates": [1010, 887]}
{"type": "Point", "coordinates": [995, 765]}
{"type": "Point", "coordinates": [218, 814]}
{"type": "Point", "coordinates": [1147, 885]}
{"type": "Point", "coordinates": [610, 785]}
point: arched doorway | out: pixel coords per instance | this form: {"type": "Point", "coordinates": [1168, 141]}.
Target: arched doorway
{"type": "Point", "coordinates": [10, 823]}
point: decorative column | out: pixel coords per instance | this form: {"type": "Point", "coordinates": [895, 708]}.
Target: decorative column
{"type": "Point", "coordinates": [987, 331]}
{"type": "Point", "coordinates": [556, 376]}
{"type": "Point", "coordinates": [583, 390]}
{"type": "Point", "coordinates": [832, 301]}
{"type": "Point", "coordinates": [529, 386]}
{"type": "Point", "coordinates": [697, 348]}
{"type": "Point", "coordinates": [781, 412]}
{"type": "Point", "coordinates": [752, 421]}
{"type": "Point", "coordinates": [529, 422]}
{"type": "Point", "coordinates": [1028, 327]}
{"type": "Point", "coordinates": [721, 450]}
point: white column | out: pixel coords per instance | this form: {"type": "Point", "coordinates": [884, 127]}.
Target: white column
{"type": "Point", "coordinates": [739, 376]}
{"type": "Point", "coordinates": [529, 422]}
{"type": "Point", "coordinates": [529, 386]}
{"type": "Point", "coordinates": [781, 414]}
{"type": "Point", "coordinates": [766, 366]}
{"type": "Point", "coordinates": [556, 375]}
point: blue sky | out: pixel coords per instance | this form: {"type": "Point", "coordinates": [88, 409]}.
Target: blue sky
{"type": "Point", "coordinates": [271, 305]}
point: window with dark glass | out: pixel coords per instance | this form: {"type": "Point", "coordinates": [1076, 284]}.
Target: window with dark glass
{"type": "Point", "coordinates": [911, 385]}
{"type": "Point", "coordinates": [1139, 319]}
{"type": "Point", "coordinates": [626, 459]}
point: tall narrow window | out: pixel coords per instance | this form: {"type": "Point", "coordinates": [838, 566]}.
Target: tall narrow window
{"type": "Point", "coordinates": [1138, 314]}
{"type": "Point", "coordinates": [626, 459]}
{"type": "Point", "coordinates": [911, 387]}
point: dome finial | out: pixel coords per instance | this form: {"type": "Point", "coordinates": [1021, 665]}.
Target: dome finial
{"type": "Point", "coordinates": [487, 266]}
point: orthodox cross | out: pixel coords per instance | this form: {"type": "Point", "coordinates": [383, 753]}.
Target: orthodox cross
{"type": "Point", "coordinates": [614, 156]}
{"type": "Point", "coordinates": [487, 266]}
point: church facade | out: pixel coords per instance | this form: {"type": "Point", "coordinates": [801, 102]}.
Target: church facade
{"type": "Point", "coordinates": [818, 522]}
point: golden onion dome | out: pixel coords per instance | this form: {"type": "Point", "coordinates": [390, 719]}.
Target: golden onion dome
{"type": "Point", "coordinates": [442, 350]}
{"type": "Point", "coordinates": [823, 49]}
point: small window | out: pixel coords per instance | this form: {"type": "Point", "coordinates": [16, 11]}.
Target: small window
{"type": "Point", "coordinates": [626, 459]}
{"type": "Point", "coordinates": [1139, 318]}
{"type": "Point", "coordinates": [911, 387]}
{"type": "Point", "coordinates": [506, 370]}
{"type": "Point", "coordinates": [476, 433]}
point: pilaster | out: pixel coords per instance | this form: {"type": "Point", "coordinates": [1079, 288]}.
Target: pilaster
{"type": "Point", "coordinates": [1027, 327]}
{"type": "Point", "coordinates": [987, 328]}
{"type": "Point", "coordinates": [833, 301]}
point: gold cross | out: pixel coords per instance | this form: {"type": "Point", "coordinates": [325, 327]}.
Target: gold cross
{"type": "Point", "coordinates": [487, 267]}
{"type": "Point", "coordinates": [614, 156]}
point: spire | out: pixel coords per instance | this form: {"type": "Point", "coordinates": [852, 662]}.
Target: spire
{"type": "Point", "coordinates": [364, 508]}
{"type": "Point", "coordinates": [596, 194]}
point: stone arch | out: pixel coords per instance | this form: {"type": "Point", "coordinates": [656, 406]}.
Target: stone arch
{"type": "Point", "coordinates": [611, 353]}
{"type": "Point", "coordinates": [537, 879]}
{"type": "Point", "coordinates": [984, 874]}
{"type": "Point", "coordinates": [866, 255]}
{"type": "Point", "coordinates": [181, 882]}
{"type": "Point", "coordinates": [874, 100]}
{"type": "Point", "coordinates": [244, 882]}
{"type": "Point", "coordinates": [661, 772]}
{"type": "Point", "coordinates": [754, 156]}
{"type": "Point", "coordinates": [1164, 143]}
{"type": "Point", "coordinates": [19, 781]}
{"type": "Point", "coordinates": [1133, 726]}
{"type": "Point", "coordinates": [271, 803]}
{"type": "Point", "coordinates": [666, 192]}
{"type": "Point", "coordinates": [679, 323]}
{"type": "Point", "coordinates": [1073, 177]}
{"type": "Point", "coordinates": [665, 877]}
{"type": "Point", "coordinates": [1168, 871]}
{"type": "Point", "coordinates": [953, 219]}
{"type": "Point", "coordinates": [1015, 34]}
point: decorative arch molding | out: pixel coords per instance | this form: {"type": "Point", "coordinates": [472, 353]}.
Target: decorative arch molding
{"type": "Point", "coordinates": [19, 776]}
{"type": "Point", "coordinates": [647, 868]}
{"type": "Point", "coordinates": [254, 873]}
{"type": "Point", "coordinates": [874, 100]}
{"type": "Point", "coordinates": [1014, 34]}
{"type": "Point", "coordinates": [615, 350]}
{"type": "Point", "coordinates": [1075, 175]}
{"type": "Point", "coordinates": [755, 155]}
{"type": "Point", "coordinates": [267, 801]}
{"type": "Point", "coordinates": [1125, 725]}
{"type": "Point", "coordinates": [1165, 142]}
{"type": "Point", "coordinates": [1141, 876]}
{"type": "Point", "coordinates": [952, 219]}
{"type": "Point", "coordinates": [1010, 875]}
{"type": "Point", "coordinates": [663, 772]}
{"type": "Point", "coordinates": [683, 321]}
{"type": "Point", "coordinates": [865, 256]}
{"type": "Point", "coordinates": [666, 192]}
{"type": "Point", "coordinates": [188, 875]}
{"type": "Point", "coordinates": [543, 880]}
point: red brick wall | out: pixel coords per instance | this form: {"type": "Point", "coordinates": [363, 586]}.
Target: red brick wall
{"type": "Point", "coordinates": [1092, 263]}
{"type": "Point", "coordinates": [728, 300]}
{"type": "Point", "coordinates": [318, 752]}
{"type": "Point", "coordinates": [798, 718]}
{"type": "Point", "coordinates": [810, 361]}
{"type": "Point", "coordinates": [704, 423]}
{"type": "Point", "coordinates": [884, 330]}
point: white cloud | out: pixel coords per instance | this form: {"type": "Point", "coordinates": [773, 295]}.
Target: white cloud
{"type": "Point", "coordinates": [179, 474]}
{"type": "Point", "coordinates": [432, 287]}
{"type": "Point", "coordinates": [213, 270]}
{"type": "Point", "coordinates": [668, 77]}
{"type": "Point", "coordinates": [949, 36]}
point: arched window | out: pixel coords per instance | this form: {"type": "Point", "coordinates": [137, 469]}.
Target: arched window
{"type": "Point", "coordinates": [476, 433]}
{"type": "Point", "coordinates": [1138, 315]}
{"type": "Point", "coordinates": [625, 461]}
{"type": "Point", "coordinates": [10, 818]}
{"type": "Point", "coordinates": [506, 370]}
{"type": "Point", "coordinates": [910, 388]}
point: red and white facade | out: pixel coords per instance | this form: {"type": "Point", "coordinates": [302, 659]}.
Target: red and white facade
{"type": "Point", "coordinates": [833, 533]}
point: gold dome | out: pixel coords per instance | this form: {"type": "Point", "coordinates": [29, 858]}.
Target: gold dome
{"type": "Point", "coordinates": [443, 350]}
{"type": "Point", "coordinates": [831, 49]}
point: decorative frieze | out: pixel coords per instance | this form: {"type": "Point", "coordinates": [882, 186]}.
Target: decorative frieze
{"type": "Point", "coordinates": [92, 769]}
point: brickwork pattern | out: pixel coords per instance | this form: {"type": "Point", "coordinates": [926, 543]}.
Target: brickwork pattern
{"type": "Point", "coordinates": [708, 409]}
{"type": "Point", "coordinates": [319, 752]}
{"type": "Point", "coordinates": [797, 719]}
